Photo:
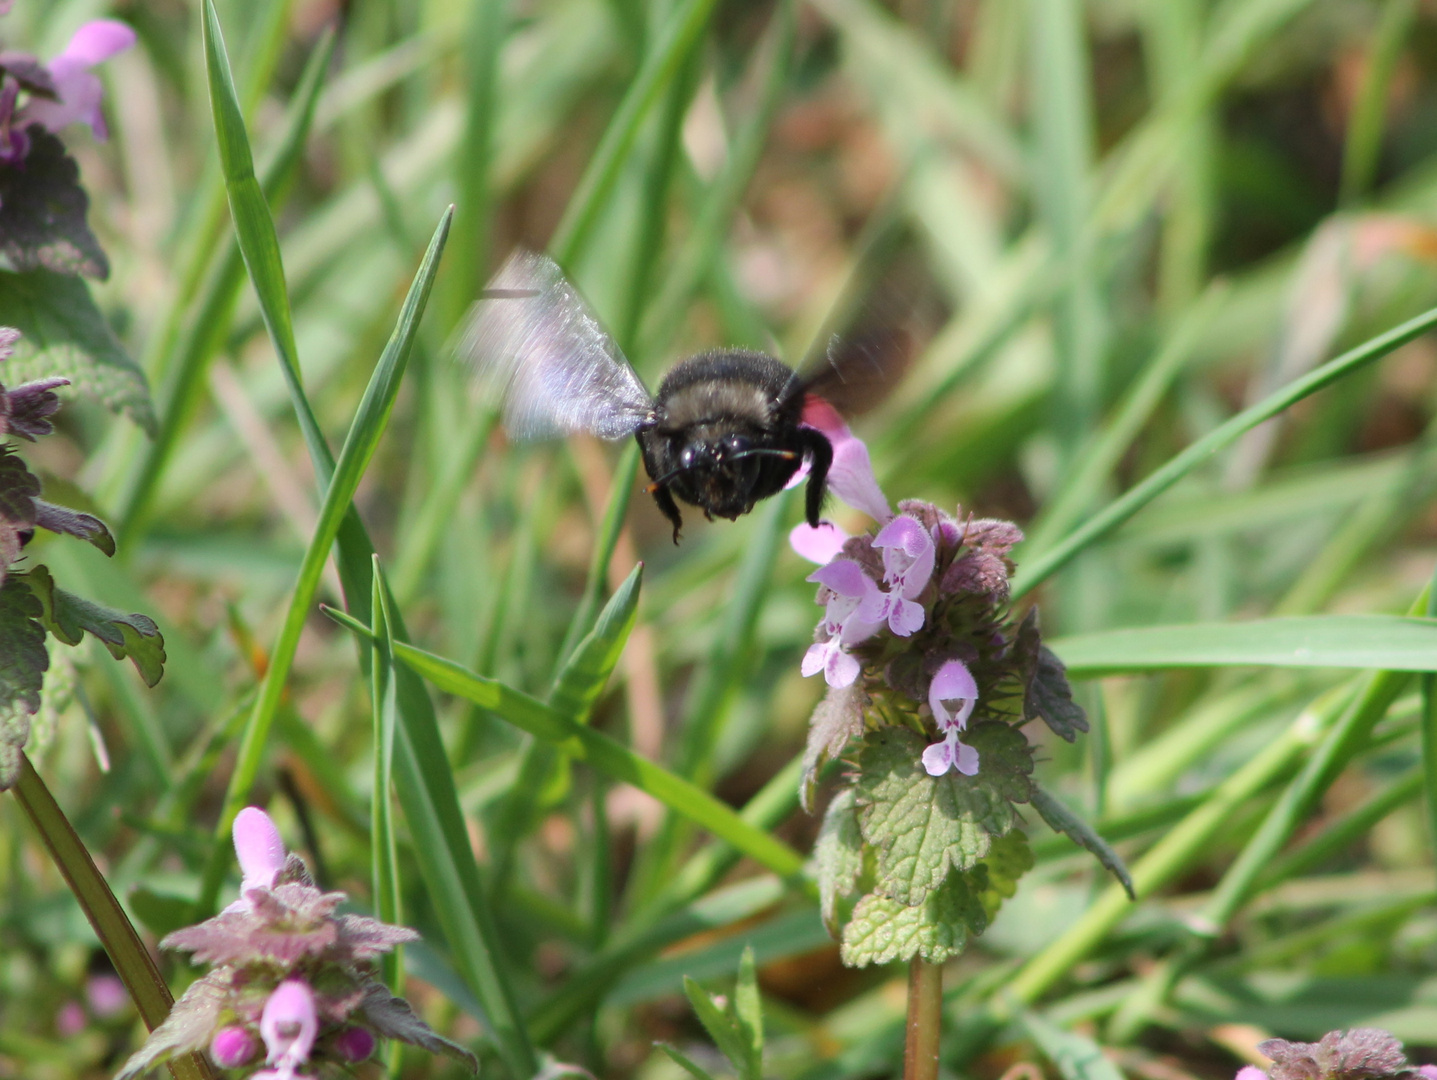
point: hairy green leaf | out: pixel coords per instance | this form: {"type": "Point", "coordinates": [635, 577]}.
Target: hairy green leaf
{"type": "Point", "coordinates": [1047, 693]}
{"type": "Point", "coordinates": [69, 617]}
{"type": "Point", "coordinates": [42, 212]}
{"type": "Point", "coordinates": [65, 334]}
{"type": "Point", "coordinates": [883, 930]}
{"type": "Point", "coordinates": [23, 659]}
{"type": "Point", "coordinates": [18, 488]}
{"type": "Point", "coordinates": [838, 855]}
{"type": "Point", "coordinates": [923, 825]}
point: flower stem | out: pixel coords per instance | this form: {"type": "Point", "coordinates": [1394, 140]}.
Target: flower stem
{"type": "Point", "coordinates": [925, 1015]}
{"type": "Point", "coordinates": [133, 963]}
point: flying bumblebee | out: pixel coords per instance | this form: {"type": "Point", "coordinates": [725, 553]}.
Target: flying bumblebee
{"type": "Point", "coordinates": [724, 430]}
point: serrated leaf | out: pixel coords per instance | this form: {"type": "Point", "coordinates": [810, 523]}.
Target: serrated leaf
{"type": "Point", "coordinates": [747, 1010]}
{"type": "Point", "coordinates": [1007, 861]}
{"type": "Point", "coordinates": [66, 335]}
{"type": "Point", "coordinates": [883, 930]}
{"type": "Point", "coordinates": [838, 856]}
{"type": "Point", "coordinates": [23, 659]}
{"type": "Point", "coordinates": [1061, 819]}
{"type": "Point", "coordinates": [18, 488]}
{"type": "Point", "coordinates": [69, 617]}
{"type": "Point", "coordinates": [1047, 693]}
{"type": "Point", "coordinates": [42, 212]}
{"type": "Point", "coordinates": [1076, 1056]}
{"type": "Point", "coordinates": [62, 519]}
{"type": "Point", "coordinates": [190, 1025]}
{"type": "Point", "coordinates": [924, 825]}
{"type": "Point", "coordinates": [836, 721]}
{"type": "Point", "coordinates": [723, 1028]}
{"type": "Point", "coordinates": [685, 1062]}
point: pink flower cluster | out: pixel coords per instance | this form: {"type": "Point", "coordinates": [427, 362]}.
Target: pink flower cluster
{"type": "Point", "coordinates": [289, 977]}
{"type": "Point", "coordinates": [885, 586]}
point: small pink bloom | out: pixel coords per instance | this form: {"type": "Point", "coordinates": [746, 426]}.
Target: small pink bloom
{"type": "Point", "coordinates": [354, 1044]}
{"type": "Point", "coordinates": [908, 557]}
{"type": "Point", "coordinates": [288, 1026]}
{"type": "Point", "coordinates": [850, 616]}
{"type": "Point", "coordinates": [1252, 1072]}
{"type": "Point", "coordinates": [260, 850]}
{"type": "Point", "coordinates": [106, 994]}
{"type": "Point", "coordinates": [70, 1019]}
{"type": "Point", "coordinates": [232, 1047]}
{"type": "Point", "coordinates": [952, 695]}
{"type": "Point", "coordinates": [820, 545]}
{"type": "Point", "coordinates": [1428, 1071]}
{"type": "Point", "coordinates": [78, 87]}
{"type": "Point", "coordinates": [850, 477]}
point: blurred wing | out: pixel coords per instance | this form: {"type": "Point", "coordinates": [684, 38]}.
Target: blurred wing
{"type": "Point", "coordinates": [857, 370]}
{"type": "Point", "coordinates": [535, 346]}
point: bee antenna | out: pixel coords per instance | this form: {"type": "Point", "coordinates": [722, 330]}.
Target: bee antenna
{"type": "Point", "coordinates": [764, 451]}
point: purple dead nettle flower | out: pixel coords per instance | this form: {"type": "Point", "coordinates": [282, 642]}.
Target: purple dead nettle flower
{"type": "Point", "coordinates": [881, 590]}
{"type": "Point", "coordinates": [286, 972]}
{"type": "Point", "coordinates": [60, 93]}
{"type": "Point", "coordinates": [1359, 1054]}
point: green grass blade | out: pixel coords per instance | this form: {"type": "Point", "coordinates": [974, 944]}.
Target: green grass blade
{"type": "Point", "coordinates": [606, 754]}
{"type": "Point", "coordinates": [205, 333]}
{"type": "Point", "coordinates": [364, 434]}
{"type": "Point", "coordinates": [1369, 111]}
{"type": "Point", "coordinates": [254, 228]}
{"type": "Point", "coordinates": [621, 489]}
{"type": "Point", "coordinates": [1063, 124]}
{"type": "Point", "coordinates": [1393, 642]}
{"type": "Point", "coordinates": [712, 221]}
{"type": "Point", "coordinates": [660, 66]}
{"type": "Point", "coordinates": [1097, 462]}
{"type": "Point", "coordinates": [383, 849]}
{"type": "Point", "coordinates": [1125, 506]}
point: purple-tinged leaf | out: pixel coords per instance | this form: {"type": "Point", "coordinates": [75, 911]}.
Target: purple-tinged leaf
{"type": "Point", "coordinates": [62, 519]}
{"type": "Point", "coordinates": [42, 212]}
{"type": "Point", "coordinates": [25, 410]}
{"type": "Point", "coordinates": [1048, 694]}
{"type": "Point", "coordinates": [393, 1018]}
{"type": "Point", "coordinates": [191, 1023]}
{"type": "Point", "coordinates": [1359, 1054]}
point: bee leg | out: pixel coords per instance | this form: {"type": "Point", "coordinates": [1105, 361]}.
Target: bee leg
{"type": "Point", "coordinates": [820, 456]}
{"type": "Point", "coordinates": [669, 508]}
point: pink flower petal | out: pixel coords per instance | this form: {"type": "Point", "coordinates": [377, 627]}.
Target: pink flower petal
{"type": "Point", "coordinates": [99, 40]}
{"type": "Point", "coordinates": [938, 758]}
{"type": "Point", "coordinates": [967, 761]}
{"type": "Point", "coordinates": [814, 659]}
{"type": "Point", "coordinates": [1252, 1072]}
{"type": "Point", "coordinates": [289, 1024]}
{"type": "Point", "coordinates": [952, 695]}
{"type": "Point", "coordinates": [850, 477]}
{"type": "Point", "coordinates": [905, 617]}
{"type": "Point", "coordinates": [259, 848]}
{"type": "Point", "coordinates": [820, 545]}
{"type": "Point", "coordinates": [841, 670]}
{"type": "Point", "coordinates": [845, 577]}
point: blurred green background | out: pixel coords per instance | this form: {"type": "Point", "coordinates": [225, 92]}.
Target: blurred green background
{"type": "Point", "coordinates": [1109, 226]}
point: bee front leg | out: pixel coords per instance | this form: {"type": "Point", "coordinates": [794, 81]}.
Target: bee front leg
{"type": "Point", "coordinates": [820, 456]}
{"type": "Point", "coordinates": [669, 508]}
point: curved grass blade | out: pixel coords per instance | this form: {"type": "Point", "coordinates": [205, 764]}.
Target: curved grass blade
{"type": "Point", "coordinates": [359, 445]}
{"type": "Point", "coordinates": [1125, 506]}
{"type": "Point", "coordinates": [604, 753]}
{"type": "Point", "coordinates": [1390, 642]}
{"type": "Point", "coordinates": [132, 961]}
{"type": "Point", "coordinates": [383, 849]}
{"type": "Point", "coordinates": [679, 36]}
{"type": "Point", "coordinates": [574, 695]}
{"type": "Point", "coordinates": [215, 307]}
